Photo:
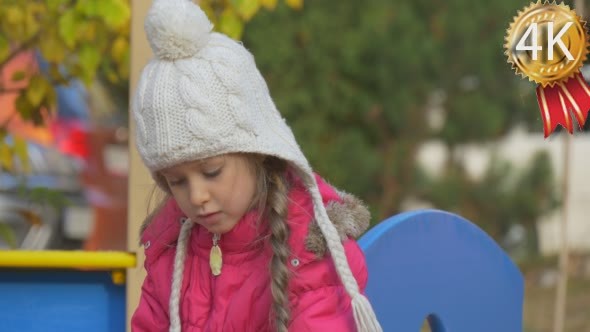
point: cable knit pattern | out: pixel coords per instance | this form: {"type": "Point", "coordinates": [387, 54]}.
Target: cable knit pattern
{"type": "Point", "coordinates": [203, 96]}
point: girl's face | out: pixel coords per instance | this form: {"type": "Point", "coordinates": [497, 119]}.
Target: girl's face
{"type": "Point", "coordinates": [214, 192]}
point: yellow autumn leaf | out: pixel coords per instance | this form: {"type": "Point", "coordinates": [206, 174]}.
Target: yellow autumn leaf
{"type": "Point", "coordinates": [52, 48]}
{"type": "Point", "coordinates": [51, 98]}
{"type": "Point", "coordinates": [88, 30]}
{"type": "Point", "coordinates": [123, 67]}
{"type": "Point", "coordinates": [119, 48]}
{"type": "Point", "coordinates": [230, 24]}
{"type": "Point", "coordinates": [20, 150]}
{"type": "Point", "coordinates": [31, 23]}
{"type": "Point", "coordinates": [68, 28]}
{"type": "Point", "coordinates": [36, 90]}
{"type": "Point", "coordinates": [5, 156]}
{"type": "Point", "coordinates": [206, 7]}
{"type": "Point", "coordinates": [114, 13]}
{"type": "Point", "coordinates": [55, 4]}
{"type": "Point", "coordinates": [14, 15]}
{"type": "Point", "coordinates": [246, 8]}
{"type": "Point", "coordinates": [23, 106]}
{"type": "Point", "coordinates": [89, 59]}
{"type": "Point", "coordinates": [4, 48]}
{"type": "Point", "coordinates": [13, 22]}
{"type": "Point", "coordinates": [269, 4]}
{"type": "Point", "coordinates": [88, 8]}
{"type": "Point", "coordinates": [111, 75]}
{"type": "Point", "coordinates": [295, 4]}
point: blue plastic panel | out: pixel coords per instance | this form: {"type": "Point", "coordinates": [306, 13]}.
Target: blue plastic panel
{"type": "Point", "coordinates": [40, 300]}
{"type": "Point", "coordinates": [433, 263]}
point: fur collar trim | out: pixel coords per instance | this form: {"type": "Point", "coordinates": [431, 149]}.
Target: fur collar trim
{"type": "Point", "coordinates": [350, 217]}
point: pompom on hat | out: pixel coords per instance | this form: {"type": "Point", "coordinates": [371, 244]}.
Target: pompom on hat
{"type": "Point", "coordinates": [176, 30]}
{"type": "Point", "coordinates": [202, 96]}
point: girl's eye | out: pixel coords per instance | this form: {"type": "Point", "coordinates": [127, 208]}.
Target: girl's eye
{"type": "Point", "coordinates": [175, 182]}
{"type": "Point", "coordinates": [212, 174]}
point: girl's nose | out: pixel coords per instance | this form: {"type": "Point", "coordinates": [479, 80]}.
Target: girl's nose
{"type": "Point", "coordinates": [199, 195]}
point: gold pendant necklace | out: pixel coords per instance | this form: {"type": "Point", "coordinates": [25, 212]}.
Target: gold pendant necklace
{"type": "Point", "coordinates": [215, 260]}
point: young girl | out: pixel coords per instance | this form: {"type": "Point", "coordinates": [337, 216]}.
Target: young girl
{"type": "Point", "coordinates": [249, 238]}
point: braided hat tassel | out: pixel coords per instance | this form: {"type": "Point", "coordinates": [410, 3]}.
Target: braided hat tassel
{"type": "Point", "coordinates": [364, 316]}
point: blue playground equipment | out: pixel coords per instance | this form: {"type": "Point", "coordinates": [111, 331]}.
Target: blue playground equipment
{"type": "Point", "coordinates": [63, 291]}
{"type": "Point", "coordinates": [438, 266]}
{"type": "Point", "coordinates": [424, 264]}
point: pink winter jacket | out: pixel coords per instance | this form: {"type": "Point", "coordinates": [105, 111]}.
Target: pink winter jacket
{"type": "Point", "coordinates": [239, 300]}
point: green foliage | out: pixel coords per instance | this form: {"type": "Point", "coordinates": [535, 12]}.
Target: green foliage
{"type": "Point", "coordinates": [497, 98]}
{"type": "Point", "coordinates": [42, 195]}
{"type": "Point", "coordinates": [230, 16]}
{"type": "Point", "coordinates": [7, 235]}
{"type": "Point", "coordinates": [364, 68]}
{"type": "Point", "coordinates": [75, 38]}
{"type": "Point", "coordinates": [503, 196]}
{"type": "Point", "coordinates": [354, 80]}
{"type": "Point", "coordinates": [536, 192]}
{"type": "Point", "coordinates": [78, 39]}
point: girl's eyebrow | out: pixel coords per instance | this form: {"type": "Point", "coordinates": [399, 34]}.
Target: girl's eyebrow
{"type": "Point", "coordinates": [196, 163]}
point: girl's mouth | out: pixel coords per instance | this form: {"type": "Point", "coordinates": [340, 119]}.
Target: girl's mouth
{"type": "Point", "coordinates": [209, 217]}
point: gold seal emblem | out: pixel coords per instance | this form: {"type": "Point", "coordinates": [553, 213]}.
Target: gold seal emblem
{"type": "Point", "coordinates": [547, 42]}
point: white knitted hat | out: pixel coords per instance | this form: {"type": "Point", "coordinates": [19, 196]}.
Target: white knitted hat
{"type": "Point", "coordinates": [202, 96]}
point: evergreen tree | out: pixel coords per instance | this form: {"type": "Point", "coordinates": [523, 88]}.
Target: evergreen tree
{"type": "Point", "coordinates": [355, 80]}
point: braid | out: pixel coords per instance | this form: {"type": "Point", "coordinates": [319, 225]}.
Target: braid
{"type": "Point", "coordinates": [279, 272]}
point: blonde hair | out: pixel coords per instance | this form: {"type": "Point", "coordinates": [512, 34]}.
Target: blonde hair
{"type": "Point", "coordinates": [273, 199]}
{"type": "Point", "coordinates": [272, 190]}
{"type": "Point", "coordinates": [275, 212]}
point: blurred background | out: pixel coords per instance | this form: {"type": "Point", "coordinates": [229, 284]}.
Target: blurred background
{"type": "Point", "coordinates": [408, 104]}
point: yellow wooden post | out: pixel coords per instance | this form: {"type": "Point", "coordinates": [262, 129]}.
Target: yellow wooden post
{"type": "Point", "coordinates": [140, 182]}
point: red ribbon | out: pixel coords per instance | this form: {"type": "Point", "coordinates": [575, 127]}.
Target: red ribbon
{"type": "Point", "coordinates": [555, 103]}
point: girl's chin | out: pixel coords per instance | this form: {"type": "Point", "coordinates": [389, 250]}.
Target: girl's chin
{"type": "Point", "coordinates": [218, 229]}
